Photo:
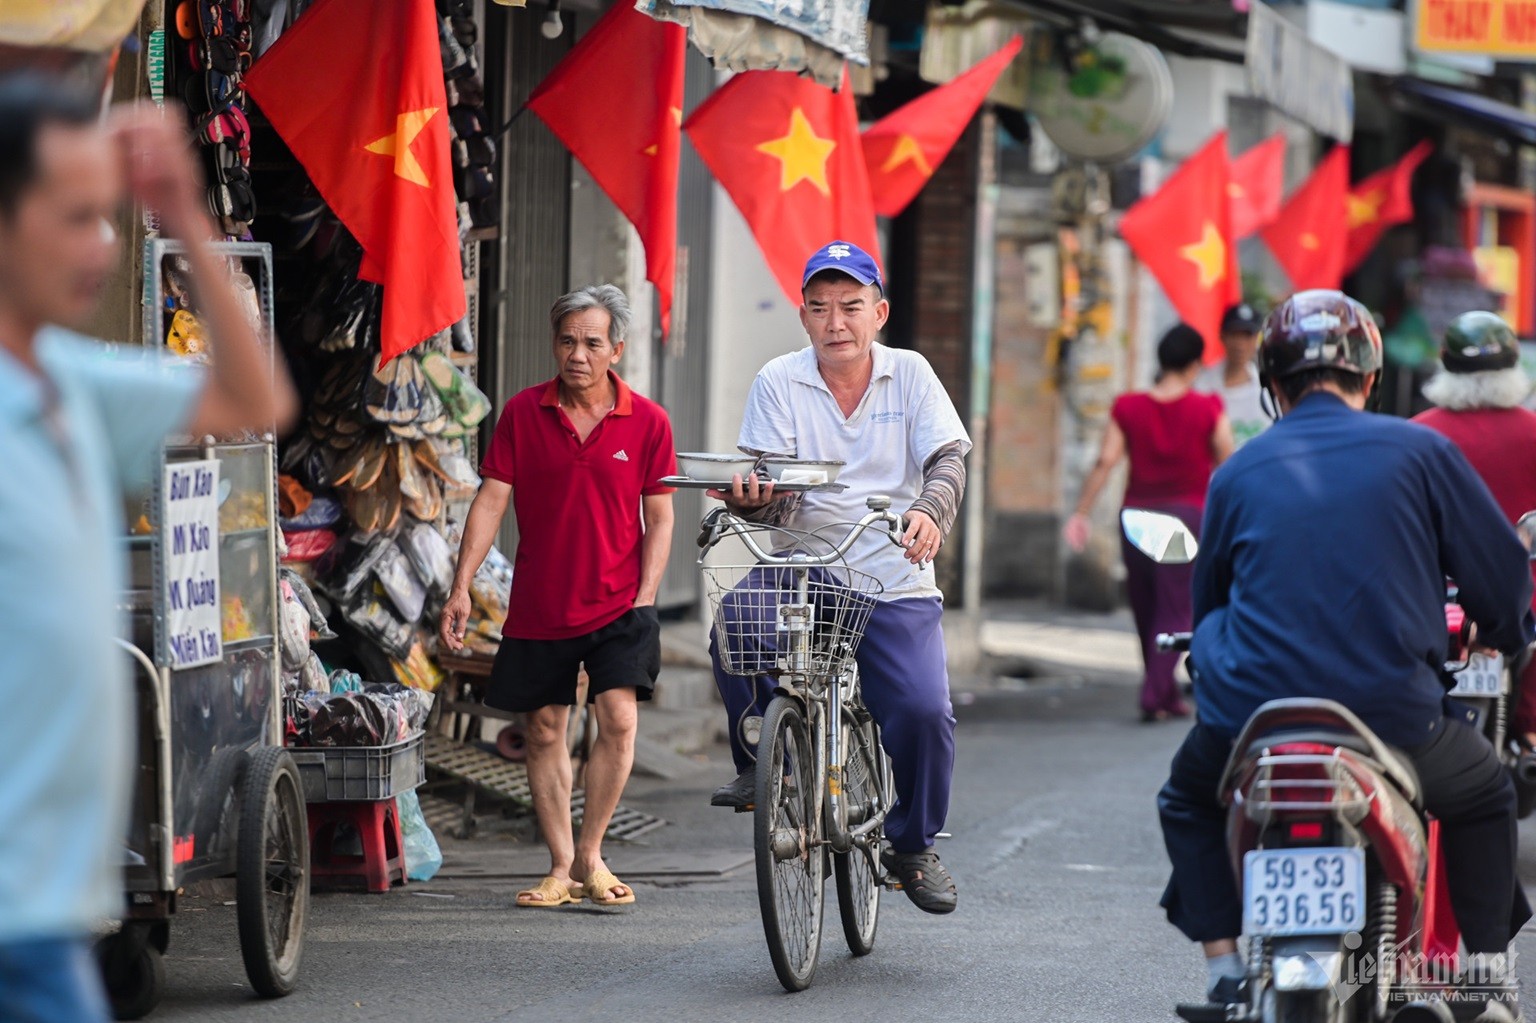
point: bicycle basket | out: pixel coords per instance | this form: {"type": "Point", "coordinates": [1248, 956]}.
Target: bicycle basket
{"type": "Point", "coordinates": [753, 633]}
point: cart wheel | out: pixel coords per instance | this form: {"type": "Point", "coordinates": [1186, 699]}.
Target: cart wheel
{"type": "Point", "coordinates": [134, 982]}
{"type": "Point", "coordinates": [272, 872]}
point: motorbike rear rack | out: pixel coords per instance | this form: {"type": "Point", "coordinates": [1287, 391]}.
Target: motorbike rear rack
{"type": "Point", "coordinates": [1260, 809]}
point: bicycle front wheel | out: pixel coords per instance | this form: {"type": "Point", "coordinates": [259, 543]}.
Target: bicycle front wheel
{"type": "Point", "coordinates": [866, 792]}
{"type": "Point", "coordinates": [791, 860]}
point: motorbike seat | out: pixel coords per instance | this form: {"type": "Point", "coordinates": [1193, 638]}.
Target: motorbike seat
{"type": "Point", "coordinates": [1398, 769]}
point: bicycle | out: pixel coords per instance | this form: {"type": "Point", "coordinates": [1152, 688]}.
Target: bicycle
{"type": "Point", "coordinates": [824, 781]}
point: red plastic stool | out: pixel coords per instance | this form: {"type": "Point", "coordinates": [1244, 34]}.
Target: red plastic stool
{"type": "Point", "coordinates": [382, 863]}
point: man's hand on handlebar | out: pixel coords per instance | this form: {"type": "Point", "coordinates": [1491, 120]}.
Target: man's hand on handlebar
{"type": "Point", "coordinates": [746, 496]}
{"type": "Point", "coordinates": [922, 538]}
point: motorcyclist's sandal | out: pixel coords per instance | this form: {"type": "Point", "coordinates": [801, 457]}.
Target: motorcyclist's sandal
{"type": "Point", "coordinates": [925, 880]}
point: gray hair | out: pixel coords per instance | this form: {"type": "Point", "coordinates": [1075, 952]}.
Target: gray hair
{"type": "Point", "coordinates": [594, 296]}
{"type": "Point", "coordinates": [1494, 388]}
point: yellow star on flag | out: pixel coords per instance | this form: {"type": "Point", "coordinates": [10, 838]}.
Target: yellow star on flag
{"type": "Point", "coordinates": [802, 154]}
{"type": "Point", "coordinates": [677, 117]}
{"type": "Point", "coordinates": [1364, 208]}
{"type": "Point", "coordinates": [1309, 241]}
{"type": "Point", "coordinates": [1236, 191]}
{"type": "Point", "coordinates": [906, 150]}
{"type": "Point", "coordinates": [1209, 255]}
{"type": "Point", "coordinates": [407, 126]}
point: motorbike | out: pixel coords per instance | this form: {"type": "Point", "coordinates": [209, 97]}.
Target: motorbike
{"type": "Point", "coordinates": [1487, 687]}
{"type": "Point", "coordinates": [1346, 914]}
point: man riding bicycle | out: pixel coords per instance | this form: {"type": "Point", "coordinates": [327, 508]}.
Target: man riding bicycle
{"type": "Point", "coordinates": [885, 414]}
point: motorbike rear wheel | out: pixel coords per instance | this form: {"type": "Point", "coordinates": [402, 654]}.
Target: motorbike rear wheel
{"type": "Point", "coordinates": [1302, 1007]}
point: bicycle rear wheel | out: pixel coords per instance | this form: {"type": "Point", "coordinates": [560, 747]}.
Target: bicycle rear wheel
{"type": "Point", "coordinates": [791, 862]}
{"type": "Point", "coordinates": [866, 793]}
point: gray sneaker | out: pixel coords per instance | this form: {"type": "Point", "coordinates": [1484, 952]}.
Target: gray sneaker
{"type": "Point", "coordinates": [740, 794]}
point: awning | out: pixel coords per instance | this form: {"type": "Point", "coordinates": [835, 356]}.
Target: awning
{"type": "Point", "coordinates": [1189, 28]}
{"type": "Point", "coordinates": [1489, 114]}
{"type": "Point", "coordinates": [95, 26]}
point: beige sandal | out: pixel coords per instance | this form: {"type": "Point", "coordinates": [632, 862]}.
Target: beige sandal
{"type": "Point", "coordinates": [600, 883]}
{"type": "Point", "coordinates": [551, 892]}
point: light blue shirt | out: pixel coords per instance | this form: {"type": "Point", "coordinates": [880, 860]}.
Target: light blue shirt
{"type": "Point", "coordinates": [66, 692]}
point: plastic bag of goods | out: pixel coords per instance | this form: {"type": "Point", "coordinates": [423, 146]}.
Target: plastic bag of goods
{"type": "Point", "coordinates": [430, 555]}
{"type": "Point", "coordinates": [423, 858]}
{"type": "Point", "coordinates": [293, 626]}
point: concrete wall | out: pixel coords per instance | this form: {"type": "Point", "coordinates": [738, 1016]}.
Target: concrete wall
{"type": "Point", "coordinates": [751, 322]}
{"type": "Point", "coordinates": [1200, 91]}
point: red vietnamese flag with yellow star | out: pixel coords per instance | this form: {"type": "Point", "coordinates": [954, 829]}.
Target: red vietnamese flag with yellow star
{"type": "Point", "coordinates": [903, 148]}
{"type": "Point", "coordinates": [787, 152]}
{"type": "Point", "coordinates": [628, 138]}
{"type": "Point", "coordinates": [1182, 233]}
{"type": "Point", "coordinates": [1379, 201]}
{"type": "Point", "coordinates": [1310, 235]}
{"type": "Point", "coordinates": [380, 158]}
{"type": "Point", "coordinates": [1258, 185]}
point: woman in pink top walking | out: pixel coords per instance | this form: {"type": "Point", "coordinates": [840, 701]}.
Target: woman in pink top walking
{"type": "Point", "coordinates": [1174, 437]}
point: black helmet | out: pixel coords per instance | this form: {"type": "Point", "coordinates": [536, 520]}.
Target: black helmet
{"type": "Point", "coordinates": [1479, 341]}
{"type": "Point", "coordinates": [1319, 330]}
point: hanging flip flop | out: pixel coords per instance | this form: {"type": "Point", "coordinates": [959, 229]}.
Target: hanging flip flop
{"type": "Point", "coordinates": [412, 482]}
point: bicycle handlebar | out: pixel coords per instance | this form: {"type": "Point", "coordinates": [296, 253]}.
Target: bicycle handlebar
{"type": "Point", "coordinates": [720, 523]}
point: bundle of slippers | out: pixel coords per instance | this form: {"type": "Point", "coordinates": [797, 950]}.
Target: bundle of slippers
{"type": "Point", "coordinates": [386, 438]}
{"type": "Point", "coordinates": [474, 147]}
{"type": "Point", "coordinates": [213, 55]}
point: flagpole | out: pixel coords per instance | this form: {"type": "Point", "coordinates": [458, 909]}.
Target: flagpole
{"type": "Point", "coordinates": [510, 122]}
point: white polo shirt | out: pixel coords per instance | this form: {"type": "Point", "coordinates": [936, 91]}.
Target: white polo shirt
{"type": "Point", "coordinates": [904, 417]}
{"type": "Point", "coordinates": [1245, 408]}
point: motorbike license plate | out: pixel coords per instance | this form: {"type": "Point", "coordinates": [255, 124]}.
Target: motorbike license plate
{"type": "Point", "coordinates": [1483, 676]}
{"type": "Point", "coordinates": [1303, 891]}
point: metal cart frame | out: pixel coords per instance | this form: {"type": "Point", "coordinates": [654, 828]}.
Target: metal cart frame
{"type": "Point", "coordinates": [215, 794]}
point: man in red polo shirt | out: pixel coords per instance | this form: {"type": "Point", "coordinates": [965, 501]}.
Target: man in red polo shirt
{"type": "Point", "coordinates": [578, 459]}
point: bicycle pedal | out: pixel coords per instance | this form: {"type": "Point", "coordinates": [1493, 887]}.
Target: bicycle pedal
{"type": "Point", "coordinates": [746, 809]}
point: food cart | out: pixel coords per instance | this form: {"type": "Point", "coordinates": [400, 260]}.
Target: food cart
{"type": "Point", "coordinates": [215, 794]}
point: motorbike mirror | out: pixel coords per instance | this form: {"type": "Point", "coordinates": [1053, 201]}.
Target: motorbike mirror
{"type": "Point", "coordinates": [1163, 538]}
{"type": "Point", "coordinates": [1526, 527]}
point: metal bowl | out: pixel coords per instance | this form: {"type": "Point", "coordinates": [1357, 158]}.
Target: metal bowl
{"type": "Point", "coordinates": [701, 465]}
{"type": "Point", "coordinates": [802, 470]}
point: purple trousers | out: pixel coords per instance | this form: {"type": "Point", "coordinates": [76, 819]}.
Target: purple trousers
{"type": "Point", "coordinates": [1160, 602]}
{"type": "Point", "coordinates": [904, 678]}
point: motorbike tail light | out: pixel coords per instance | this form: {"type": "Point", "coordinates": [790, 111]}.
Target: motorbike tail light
{"type": "Point", "coordinates": [1306, 831]}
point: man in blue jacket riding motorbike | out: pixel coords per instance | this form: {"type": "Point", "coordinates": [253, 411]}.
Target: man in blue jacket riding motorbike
{"type": "Point", "coordinates": [1324, 553]}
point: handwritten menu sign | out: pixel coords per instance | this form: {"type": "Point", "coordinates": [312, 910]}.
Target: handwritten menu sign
{"type": "Point", "coordinates": [190, 553]}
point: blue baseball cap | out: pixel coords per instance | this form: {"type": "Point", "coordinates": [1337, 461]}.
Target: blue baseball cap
{"type": "Point", "coordinates": [846, 258]}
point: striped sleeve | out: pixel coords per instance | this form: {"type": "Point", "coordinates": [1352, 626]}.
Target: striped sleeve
{"type": "Point", "coordinates": [943, 486]}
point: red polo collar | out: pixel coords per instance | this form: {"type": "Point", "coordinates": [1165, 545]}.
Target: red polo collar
{"type": "Point", "coordinates": [623, 403]}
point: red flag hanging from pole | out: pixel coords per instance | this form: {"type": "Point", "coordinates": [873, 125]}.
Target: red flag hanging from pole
{"type": "Point", "coordinates": [1309, 237]}
{"type": "Point", "coordinates": [627, 137]}
{"type": "Point", "coordinates": [1258, 185]}
{"type": "Point", "coordinates": [381, 159]}
{"type": "Point", "coordinates": [787, 152]}
{"type": "Point", "coordinates": [1379, 201]}
{"type": "Point", "coordinates": [903, 148]}
{"type": "Point", "coordinates": [1183, 234]}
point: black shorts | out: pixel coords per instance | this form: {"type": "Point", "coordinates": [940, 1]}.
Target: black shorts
{"type": "Point", "coordinates": [533, 673]}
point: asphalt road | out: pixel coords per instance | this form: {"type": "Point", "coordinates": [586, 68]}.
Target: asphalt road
{"type": "Point", "coordinates": [1056, 853]}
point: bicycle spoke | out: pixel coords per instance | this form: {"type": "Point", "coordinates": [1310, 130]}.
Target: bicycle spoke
{"type": "Point", "coordinates": [790, 853]}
